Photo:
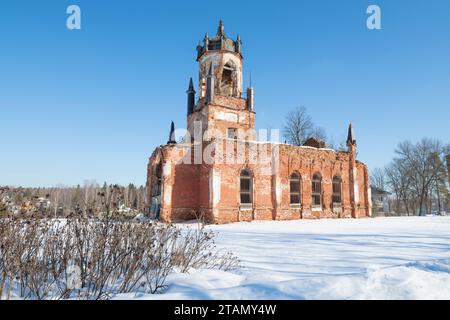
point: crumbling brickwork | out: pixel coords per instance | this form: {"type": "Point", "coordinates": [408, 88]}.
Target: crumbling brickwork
{"type": "Point", "coordinates": [221, 172]}
{"type": "Point", "coordinates": [213, 190]}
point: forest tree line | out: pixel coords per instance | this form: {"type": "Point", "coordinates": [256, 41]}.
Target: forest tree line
{"type": "Point", "coordinates": [88, 199]}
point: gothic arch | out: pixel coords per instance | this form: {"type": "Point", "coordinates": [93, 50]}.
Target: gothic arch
{"type": "Point", "coordinates": [316, 190]}
{"type": "Point", "coordinates": [156, 187]}
{"type": "Point", "coordinates": [228, 81]}
{"type": "Point", "coordinates": [337, 190]}
{"type": "Point", "coordinates": [246, 187]}
{"type": "Point", "coordinates": [295, 188]}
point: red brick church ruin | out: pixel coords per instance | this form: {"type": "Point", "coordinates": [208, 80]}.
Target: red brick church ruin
{"type": "Point", "coordinates": [221, 171]}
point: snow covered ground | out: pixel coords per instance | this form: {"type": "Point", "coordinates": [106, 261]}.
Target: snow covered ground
{"type": "Point", "coordinates": [381, 258]}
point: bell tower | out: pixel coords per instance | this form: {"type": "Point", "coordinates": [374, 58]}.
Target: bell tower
{"type": "Point", "coordinates": [221, 104]}
{"type": "Point", "coordinates": [222, 56]}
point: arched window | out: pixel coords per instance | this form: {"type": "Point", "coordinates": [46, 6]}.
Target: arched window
{"type": "Point", "coordinates": [337, 190]}
{"type": "Point", "coordinates": [228, 79]}
{"type": "Point", "coordinates": [157, 182]}
{"type": "Point", "coordinates": [294, 183]}
{"type": "Point", "coordinates": [156, 189]}
{"type": "Point", "coordinates": [317, 191]}
{"type": "Point", "coordinates": [246, 187]}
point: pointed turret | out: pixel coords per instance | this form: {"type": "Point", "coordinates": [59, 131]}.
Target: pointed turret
{"type": "Point", "coordinates": [353, 172]}
{"type": "Point", "coordinates": [172, 134]}
{"type": "Point", "coordinates": [221, 29]}
{"type": "Point", "coordinates": [191, 85]}
{"type": "Point", "coordinates": [238, 44]}
{"type": "Point", "coordinates": [210, 85]}
{"type": "Point", "coordinates": [250, 96]}
{"type": "Point", "coordinates": [190, 98]}
{"type": "Point", "coordinates": [206, 41]}
{"type": "Point", "coordinates": [219, 42]}
{"type": "Point", "coordinates": [351, 136]}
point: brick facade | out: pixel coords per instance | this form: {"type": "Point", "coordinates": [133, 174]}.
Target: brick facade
{"type": "Point", "coordinates": [180, 187]}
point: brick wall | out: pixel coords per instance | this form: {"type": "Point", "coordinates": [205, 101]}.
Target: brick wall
{"type": "Point", "coordinates": [193, 188]}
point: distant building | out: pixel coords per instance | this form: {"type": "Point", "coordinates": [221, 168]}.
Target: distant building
{"type": "Point", "coordinates": [42, 202]}
{"type": "Point", "coordinates": [380, 204]}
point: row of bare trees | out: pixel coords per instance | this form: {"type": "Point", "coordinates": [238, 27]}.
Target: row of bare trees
{"type": "Point", "coordinates": [417, 177]}
{"type": "Point", "coordinates": [61, 201]}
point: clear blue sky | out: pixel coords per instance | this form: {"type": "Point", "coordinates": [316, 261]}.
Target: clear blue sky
{"type": "Point", "coordinates": [93, 103]}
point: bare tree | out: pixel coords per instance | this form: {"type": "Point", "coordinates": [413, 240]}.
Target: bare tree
{"type": "Point", "coordinates": [339, 145]}
{"type": "Point", "coordinates": [418, 174]}
{"type": "Point", "coordinates": [318, 133]}
{"type": "Point", "coordinates": [298, 126]}
{"type": "Point", "coordinates": [378, 178]}
{"type": "Point", "coordinates": [424, 157]}
{"type": "Point", "coordinates": [399, 181]}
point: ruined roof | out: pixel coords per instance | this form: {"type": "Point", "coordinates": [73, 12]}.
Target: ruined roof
{"type": "Point", "coordinates": [315, 143]}
{"type": "Point", "coordinates": [376, 190]}
{"type": "Point", "coordinates": [219, 42]}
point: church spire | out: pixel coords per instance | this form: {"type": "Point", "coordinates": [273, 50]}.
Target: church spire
{"type": "Point", "coordinates": [351, 136]}
{"type": "Point", "coordinates": [238, 44]}
{"type": "Point", "coordinates": [190, 98]}
{"type": "Point", "coordinates": [172, 134]}
{"type": "Point", "coordinates": [210, 85]}
{"type": "Point", "coordinates": [250, 96]}
{"type": "Point", "coordinates": [221, 29]}
{"type": "Point", "coordinates": [353, 172]}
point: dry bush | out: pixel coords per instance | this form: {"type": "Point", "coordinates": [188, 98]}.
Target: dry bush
{"type": "Point", "coordinates": [37, 257]}
{"type": "Point", "coordinates": [197, 250]}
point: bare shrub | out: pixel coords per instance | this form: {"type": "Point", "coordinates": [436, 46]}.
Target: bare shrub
{"type": "Point", "coordinates": [198, 250]}
{"type": "Point", "coordinates": [37, 256]}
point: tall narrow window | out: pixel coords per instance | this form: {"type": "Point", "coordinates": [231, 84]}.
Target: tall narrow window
{"type": "Point", "coordinates": [246, 187]}
{"type": "Point", "coordinates": [316, 191]}
{"type": "Point", "coordinates": [156, 190]}
{"type": "Point", "coordinates": [157, 182]}
{"type": "Point", "coordinates": [337, 193]}
{"type": "Point", "coordinates": [227, 86]}
{"type": "Point", "coordinates": [294, 182]}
